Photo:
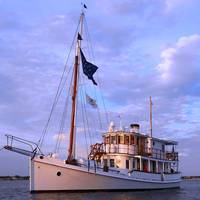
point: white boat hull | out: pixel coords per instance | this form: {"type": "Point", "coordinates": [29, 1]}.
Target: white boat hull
{"type": "Point", "coordinates": [43, 177]}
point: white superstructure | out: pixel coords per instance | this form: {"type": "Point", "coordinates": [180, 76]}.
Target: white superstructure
{"type": "Point", "coordinates": [124, 161]}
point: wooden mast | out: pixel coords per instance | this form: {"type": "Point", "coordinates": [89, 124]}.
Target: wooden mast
{"type": "Point", "coordinates": [71, 156]}
{"type": "Point", "coordinates": [150, 116]}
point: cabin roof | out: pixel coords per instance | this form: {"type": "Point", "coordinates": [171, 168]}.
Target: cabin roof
{"type": "Point", "coordinates": [165, 141]}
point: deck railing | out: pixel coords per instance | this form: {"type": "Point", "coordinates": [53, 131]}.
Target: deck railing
{"type": "Point", "coordinates": [152, 152]}
{"type": "Point", "coordinates": [147, 152]}
{"type": "Point", "coordinates": [159, 154]}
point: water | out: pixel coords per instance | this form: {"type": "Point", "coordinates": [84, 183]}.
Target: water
{"type": "Point", "coordinates": [18, 190]}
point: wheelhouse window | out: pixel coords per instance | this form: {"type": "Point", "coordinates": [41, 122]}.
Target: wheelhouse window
{"type": "Point", "coordinates": [120, 139]}
{"type": "Point", "coordinates": [112, 163]}
{"type": "Point", "coordinates": [113, 140]}
{"type": "Point", "coordinates": [132, 139]}
{"type": "Point", "coordinates": [138, 140]}
{"type": "Point", "coordinates": [163, 148]}
{"type": "Point", "coordinates": [126, 139]}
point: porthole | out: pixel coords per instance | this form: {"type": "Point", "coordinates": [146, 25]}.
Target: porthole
{"type": "Point", "coordinates": [58, 173]}
{"type": "Point", "coordinates": [41, 157]}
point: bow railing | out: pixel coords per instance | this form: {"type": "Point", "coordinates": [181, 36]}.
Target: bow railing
{"type": "Point", "coordinates": [22, 146]}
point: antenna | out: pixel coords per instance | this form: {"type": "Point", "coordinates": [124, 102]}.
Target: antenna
{"type": "Point", "coordinates": [150, 116]}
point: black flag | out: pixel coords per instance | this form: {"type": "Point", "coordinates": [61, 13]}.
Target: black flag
{"type": "Point", "coordinates": [88, 68]}
{"type": "Point", "coordinates": [79, 37]}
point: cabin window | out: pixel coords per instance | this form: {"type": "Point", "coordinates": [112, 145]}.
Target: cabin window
{"type": "Point", "coordinates": [145, 165]}
{"type": "Point", "coordinates": [113, 140]}
{"type": "Point", "coordinates": [120, 140]}
{"type": "Point", "coordinates": [138, 164]}
{"type": "Point", "coordinates": [137, 140]}
{"type": "Point", "coordinates": [112, 162]}
{"type": "Point", "coordinates": [133, 164]}
{"type": "Point", "coordinates": [163, 147]}
{"type": "Point", "coordinates": [126, 139]}
{"type": "Point", "coordinates": [154, 166]}
{"type": "Point", "coordinates": [132, 139]}
{"type": "Point", "coordinates": [127, 164]}
{"type": "Point", "coordinates": [105, 162]}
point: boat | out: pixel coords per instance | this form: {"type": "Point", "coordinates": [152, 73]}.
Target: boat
{"type": "Point", "coordinates": [125, 159]}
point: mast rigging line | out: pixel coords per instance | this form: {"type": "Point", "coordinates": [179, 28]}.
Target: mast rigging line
{"type": "Point", "coordinates": [58, 92]}
{"type": "Point", "coordinates": [84, 128]}
{"type": "Point", "coordinates": [82, 91]}
{"type": "Point", "coordinates": [98, 79]}
{"type": "Point", "coordinates": [61, 127]}
{"type": "Point", "coordinates": [91, 54]}
{"type": "Point", "coordinates": [83, 113]}
{"type": "Point", "coordinates": [83, 104]}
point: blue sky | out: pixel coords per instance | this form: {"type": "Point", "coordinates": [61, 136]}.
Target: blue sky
{"type": "Point", "coordinates": [142, 47]}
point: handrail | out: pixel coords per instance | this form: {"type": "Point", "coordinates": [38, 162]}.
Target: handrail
{"type": "Point", "coordinates": [33, 146]}
{"type": "Point", "coordinates": [150, 152]}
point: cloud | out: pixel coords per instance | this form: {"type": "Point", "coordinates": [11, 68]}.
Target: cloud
{"type": "Point", "coordinates": [173, 4]}
{"type": "Point", "coordinates": [189, 152]}
{"type": "Point", "coordinates": [142, 8]}
{"type": "Point", "coordinates": [173, 84]}
{"type": "Point", "coordinates": [30, 71]}
{"type": "Point", "coordinates": [180, 63]}
{"type": "Point", "coordinates": [128, 22]}
{"type": "Point", "coordinates": [9, 21]}
{"type": "Point", "coordinates": [184, 152]}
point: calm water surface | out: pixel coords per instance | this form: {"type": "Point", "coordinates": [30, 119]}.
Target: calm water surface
{"type": "Point", "coordinates": [18, 190]}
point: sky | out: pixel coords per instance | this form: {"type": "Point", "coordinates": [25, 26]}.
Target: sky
{"type": "Point", "coordinates": [142, 48]}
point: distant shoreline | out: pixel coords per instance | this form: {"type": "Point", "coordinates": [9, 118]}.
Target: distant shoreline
{"type": "Point", "coordinates": [14, 177]}
{"type": "Point", "coordinates": [190, 177]}
{"type": "Point", "coordinates": [27, 177]}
